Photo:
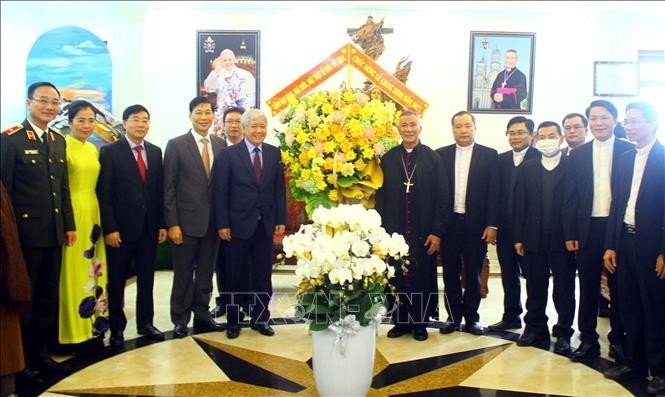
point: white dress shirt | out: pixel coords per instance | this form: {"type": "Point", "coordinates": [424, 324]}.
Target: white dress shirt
{"type": "Point", "coordinates": [602, 176]}
{"type": "Point", "coordinates": [132, 145]}
{"type": "Point", "coordinates": [518, 157]}
{"type": "Point", "coordinates": [638, 172]}
{"type": "Point", "coordinates": [38, 131]}
{"type": "Point", "coordinates": [462, 165]}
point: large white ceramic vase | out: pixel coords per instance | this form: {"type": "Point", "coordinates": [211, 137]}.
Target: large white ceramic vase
{"type": "Point", "coordinates": [344, 372]}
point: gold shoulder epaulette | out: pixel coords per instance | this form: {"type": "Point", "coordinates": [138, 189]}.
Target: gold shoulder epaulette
{"type": "Point", "coordinates": [13, 129]}
{"type": "Point", "coordinates": [56, 131]}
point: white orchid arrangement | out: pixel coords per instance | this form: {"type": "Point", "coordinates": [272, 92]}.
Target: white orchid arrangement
{"type": "Point", "coordinates": [343, 259]}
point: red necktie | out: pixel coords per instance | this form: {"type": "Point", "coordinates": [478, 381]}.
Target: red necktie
{"type": "Point", "coordinates": [140, 163]}
{"type": "Point", "coordinates": [257, 164]}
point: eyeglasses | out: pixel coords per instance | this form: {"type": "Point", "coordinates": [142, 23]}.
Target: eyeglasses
{"type": "Point", "coordinates": [44, 101]}
{"type": "Point", "coordinates": [517, 133]}
{"type": "Point", "coordinates": [573, 127]}
{"type": "Point", "coordinates": [632, 122]}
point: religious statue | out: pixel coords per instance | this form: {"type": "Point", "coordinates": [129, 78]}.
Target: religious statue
{"type": "Point", "coordinates": [370, 39]}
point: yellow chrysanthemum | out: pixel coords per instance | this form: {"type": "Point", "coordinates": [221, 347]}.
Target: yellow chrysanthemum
{"type": "Point", "coordinates": [329, 147]}
{"type": "Point", "coordinates": [347, 169]}
{"type": "Point", "coordinates": [329, 134]}
{"type": "Point", "coordinates": [350, 155]}
{"type": "Point", "coordinates": [303, 158]}
{"type": "Point", "coordinates": [368, 153]}
{"type": "Point", "coordinates": [327, 108]}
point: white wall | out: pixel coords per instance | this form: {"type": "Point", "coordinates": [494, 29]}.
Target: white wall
{"type": "Point", "coordinates": [152, 45]}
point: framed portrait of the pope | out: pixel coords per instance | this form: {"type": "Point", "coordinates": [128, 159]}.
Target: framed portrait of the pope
{"type": "Point", "coordinates": [501, 69]}
{"type": "Point", "coordinates": [228, 68]}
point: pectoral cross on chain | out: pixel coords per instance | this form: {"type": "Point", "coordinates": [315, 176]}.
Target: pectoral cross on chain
{"type": "Point", "coordinates": [408, 185]}
{"type": "Point", "coordinates": [503, 85]}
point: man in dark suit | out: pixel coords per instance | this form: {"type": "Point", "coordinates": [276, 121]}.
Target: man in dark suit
{"type": "Point", "coordinates": [575, 127]}
{"type": "Point", "coordinates": [232, 134]}
{"type": "Point", "coordinates": [250, 205]}
{"type": "Point", "coordinates": [470, 221]}
{"type": "Point", "coordinates": [188, 212]}
{"type": "Point", "coordinates": [635, 245]}
{"type": "Point", "coordinates": [34, 171]}
{"type": "Point", "coordinates": [539, 230]}
{"type": "Point", "coordinates": [130, 200]}
{"type": "Point", "coordinates": [593, 169]}
{"type": "Point", "coordinates": [520, 134]}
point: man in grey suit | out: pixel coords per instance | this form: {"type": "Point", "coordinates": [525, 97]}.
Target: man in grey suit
{"type": "Point", "coordinates": [188, 215]}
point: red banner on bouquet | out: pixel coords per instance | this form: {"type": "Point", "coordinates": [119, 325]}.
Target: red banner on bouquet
{"type": "Point", "coordinates": [390, 86]}
{"type": "Point", "coordinates": [350, 55]}
{"type": "Point", "coordinates": [310, 80]}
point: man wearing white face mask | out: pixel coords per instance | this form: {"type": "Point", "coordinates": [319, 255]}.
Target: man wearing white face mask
{"type": "Point", "coordinates": [539, 239]}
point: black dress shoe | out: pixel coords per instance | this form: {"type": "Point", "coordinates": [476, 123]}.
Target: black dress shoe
{"type": "Point", "coordinates": [116, 339]}
{"type": "Point", "coordinates": [420, 333]}
{"type": "Point", "coordinates": [530, 339]}
{"type": "Point", "coordinates": [151, 332]}
{"type": "Point", "coordinates": [620, 372]}
{"type": "Point", "coordinates": [562, 346]}
{"type": "Point", "coordinates": [449, 327]}
{"type": "Point", "coordinates": [28, 377]}
{"type": "Point", "coordinates": [617, 353]}
{"type": "Point", "coordinates": [263, 328]}
{"type": "Point", "coordinates": [49, 366]}
{"type": "Point", "coordinates": [232, 331]}
{"type": "Point", "coordinates": [474, 328]}
{"type": "Point", "coordinates": [656, 386]}
{"type": "Point", "coordinates": [398, 330]}
{"type": "Point", "coordinates": [218, 311]}
{"type": "Point", "coordinates": [180, 331]}
{"type": "Point", "coordinates": [586, 351]}
{"type": "Point", "coordinates": [505, 325]}
{"type": "Point", "coordinates": [207, 326]}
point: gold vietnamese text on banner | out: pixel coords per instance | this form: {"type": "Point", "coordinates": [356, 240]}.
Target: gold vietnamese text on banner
{"type": "Point", "coordinates": [347, 54]}
{"type": "Point", "coordinates": [310, 80]}
{"type": "Point", "coordinates": [392, 87]}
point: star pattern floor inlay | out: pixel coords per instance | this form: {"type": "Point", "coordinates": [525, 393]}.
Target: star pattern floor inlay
{"type": "Point", "coordinates": [457, 364]}
{"type": "Point", "coordinates": [210, 365]}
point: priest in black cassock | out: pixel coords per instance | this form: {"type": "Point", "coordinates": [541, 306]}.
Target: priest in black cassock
{"type": "Point", "coordinates": [410, 202]}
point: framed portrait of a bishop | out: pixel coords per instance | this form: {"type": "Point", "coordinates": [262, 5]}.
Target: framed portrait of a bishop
{"type": "Point", "coordinates": [501, 72]}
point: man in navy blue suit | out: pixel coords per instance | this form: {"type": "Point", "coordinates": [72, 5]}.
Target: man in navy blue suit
{"type": "Point", "coordinates": [593, 168]}
{"type": "Point", "coordinates": [250, 205]}
{"type": "Point", "coordinates": [520, 134]}
{"type": "Point", "coordinates": [130, 196]}
{"type": "Point", "coordinates": [635, 243]}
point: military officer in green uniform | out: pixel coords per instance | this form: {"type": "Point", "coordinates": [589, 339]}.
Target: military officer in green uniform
{"type": "Point", "coordinates": [34, 171]}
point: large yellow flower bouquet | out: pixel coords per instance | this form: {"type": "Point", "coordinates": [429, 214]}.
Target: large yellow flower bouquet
{"type": "Point", "coordinates": [332, 145]}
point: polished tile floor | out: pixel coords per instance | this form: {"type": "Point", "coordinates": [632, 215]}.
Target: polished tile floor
{"type": "Point", "coordinates": [209, 364]}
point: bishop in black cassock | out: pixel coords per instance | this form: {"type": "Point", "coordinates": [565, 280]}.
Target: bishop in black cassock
{"type": "Point", "coordinates": [410, 202]}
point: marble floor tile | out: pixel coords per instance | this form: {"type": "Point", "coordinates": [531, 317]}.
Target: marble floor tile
{"type": "Point", "coordinates": [209, 364]}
